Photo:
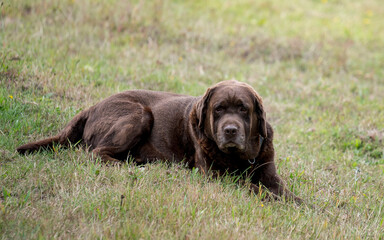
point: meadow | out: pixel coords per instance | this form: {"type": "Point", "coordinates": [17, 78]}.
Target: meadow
{"type": "Point", "coordinates": [318, 64]}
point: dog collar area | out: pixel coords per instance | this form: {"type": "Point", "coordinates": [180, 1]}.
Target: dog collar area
{"type": "Point", "coordinates": [253, 161]}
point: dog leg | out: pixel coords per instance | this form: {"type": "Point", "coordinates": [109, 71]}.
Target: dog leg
{"type": "Point", "coordinates": [106, 153]}
{"type": "Point", "coordinates": [125, 134]}
{"type": "Point", "coordinates": [278, 188]}
{"type": "Point", "coordinates": [272, 181]}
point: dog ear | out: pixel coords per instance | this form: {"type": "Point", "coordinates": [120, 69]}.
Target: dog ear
{"type": "Point", "coordinates": [263, 123]}
{"type": "Point", "coordinates": [261, 115]}
{"type": "Point", "coordinates": [201, 107]}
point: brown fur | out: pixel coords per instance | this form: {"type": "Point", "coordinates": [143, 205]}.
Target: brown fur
{"type": "Point", "coordinates": [224, 131]}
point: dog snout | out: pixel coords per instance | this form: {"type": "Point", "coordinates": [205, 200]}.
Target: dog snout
{"type": "Point", "coordinates": [231, 130]}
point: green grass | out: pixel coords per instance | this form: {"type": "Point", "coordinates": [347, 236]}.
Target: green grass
{"type": "Point", "coordinates": [318, 64]}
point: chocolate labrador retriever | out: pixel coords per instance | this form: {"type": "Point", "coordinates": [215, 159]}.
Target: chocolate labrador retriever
{"type": "Point", "coordinates": [224, 131]}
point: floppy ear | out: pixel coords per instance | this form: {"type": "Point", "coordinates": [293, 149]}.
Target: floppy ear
{"type": "Point", "coordinates": [263, 123]}
{"type": "Point", "coordinates": [261, 116]}
{"type": "Point", "coordinates": [201, 107]}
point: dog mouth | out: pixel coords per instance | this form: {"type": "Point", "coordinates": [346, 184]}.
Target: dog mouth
{"type": "Point", "coordinates": [232, 147]}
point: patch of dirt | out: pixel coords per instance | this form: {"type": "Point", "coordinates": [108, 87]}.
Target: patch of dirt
{"type": "Point", "coordinates": [6, 156]}
{"type": "Point", "coordinates": [11, 78]}
{"type": "Point", "coordinates": [368, 143]}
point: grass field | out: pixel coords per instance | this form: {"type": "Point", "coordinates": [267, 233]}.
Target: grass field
{"type": "Point", "coordinates": [318, 64]}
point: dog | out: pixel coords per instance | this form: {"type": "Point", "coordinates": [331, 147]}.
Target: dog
{"type": "Point", "coordinates": [223, 132]}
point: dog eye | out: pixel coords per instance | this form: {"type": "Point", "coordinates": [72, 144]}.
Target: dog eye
{"type": "Point", "coordinates": [219, 109]}
{"type": "Point", "coordinates": [243, 109]}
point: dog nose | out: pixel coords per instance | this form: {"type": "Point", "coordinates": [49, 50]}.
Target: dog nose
{"type": "Point", "coordinates": [230, 130]}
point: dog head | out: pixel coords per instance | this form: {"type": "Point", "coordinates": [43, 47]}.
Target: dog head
{"type": "Point", "coordinates": [231, 114]}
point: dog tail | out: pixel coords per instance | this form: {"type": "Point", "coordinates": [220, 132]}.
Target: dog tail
{"type": "Point", "coordinates": [36, 146]}
{"type": "Point", "coordinates": [71, 134]}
